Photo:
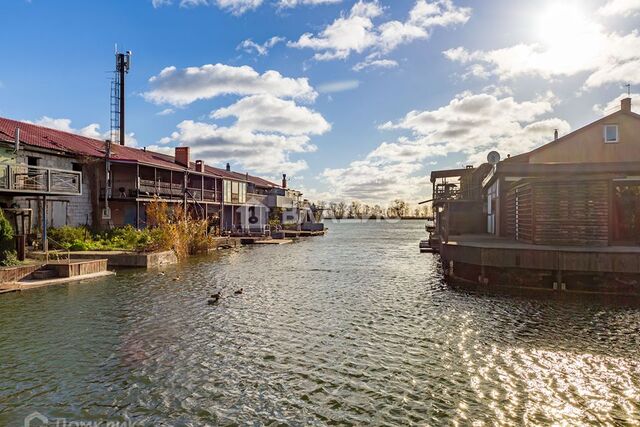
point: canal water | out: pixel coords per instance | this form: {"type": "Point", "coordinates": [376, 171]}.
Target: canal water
{"type": "Point", "coordinates": [353, 328]}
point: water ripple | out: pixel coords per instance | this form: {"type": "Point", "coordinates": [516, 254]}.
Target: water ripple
{"type": "Point", "coordinates": [354, 328]}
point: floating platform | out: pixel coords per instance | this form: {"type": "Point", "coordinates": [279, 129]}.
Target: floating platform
{"type": "Point", "coordinates": [120, 259]}
{"type": "Point", "coordinates": [425, 247]}
{"type": "Point", "coordinates": [51, 273]}
{"type": "Point", "coordinates": [493, 261]}
{"type": "Point", "coordinates": [273, 242]}
{"type": "Point", "coordinates": [285, 234]}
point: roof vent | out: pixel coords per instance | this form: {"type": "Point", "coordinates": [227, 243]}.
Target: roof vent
{"type": "Point", "coordinates": [228, 167]}
{"type": "Point", "coordinates": [555, 134]}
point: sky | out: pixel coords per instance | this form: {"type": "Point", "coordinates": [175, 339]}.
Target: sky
{"type": "Point", "coordinates": [354, 100]}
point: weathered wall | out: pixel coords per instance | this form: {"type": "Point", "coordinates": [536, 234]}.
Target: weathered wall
{"type": "Point", "coordinates": [61, 210]}
{"type": "Point", "coordinates": [560, 213]}
{"type": "Point", "coordinates": [587, 144]}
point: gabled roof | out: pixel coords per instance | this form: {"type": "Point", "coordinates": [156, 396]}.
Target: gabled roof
{"type": "Point", "coordinates": [524, 157]}
{"type": "Point", "coordinates": [78, 145]}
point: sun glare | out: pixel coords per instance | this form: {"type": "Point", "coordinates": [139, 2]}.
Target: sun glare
{"type": "Point", "coordinates": [563, 24]}
{"type": "Point", "coordinates": [568, 37]}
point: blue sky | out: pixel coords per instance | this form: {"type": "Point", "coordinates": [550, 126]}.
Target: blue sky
{"type": "Point", "coordinates": [353, 99]}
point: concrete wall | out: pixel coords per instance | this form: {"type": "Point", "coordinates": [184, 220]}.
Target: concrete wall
{"type": "Point", "coordinates": [61, 210]}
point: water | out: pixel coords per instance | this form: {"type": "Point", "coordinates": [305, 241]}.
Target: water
{"type": "Point", "coordinates": [353, 328]}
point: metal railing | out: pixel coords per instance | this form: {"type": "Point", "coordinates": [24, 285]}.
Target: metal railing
{"type": "Point", "coordinates": [36, 179]}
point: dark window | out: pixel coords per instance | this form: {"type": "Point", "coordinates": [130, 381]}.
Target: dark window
{"type": "Point", "coordinates": [626, 219]}
{"type": "Point", "coordinates": [32, 161]}
{"type": "Point", "coordinates": [76, 167]}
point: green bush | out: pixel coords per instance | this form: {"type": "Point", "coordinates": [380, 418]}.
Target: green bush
{"type": "Point", "coordinates": [66, 236]}
{"type": "Point", "coordinates": [6, 230]}
{"type": "Point", "coordinates": [121, 238]}
{"type": "Point", "coordinates": [8, 258]}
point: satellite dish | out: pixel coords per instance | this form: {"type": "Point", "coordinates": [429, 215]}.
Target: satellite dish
{"type": "Point", "coordinates": [493, 157]}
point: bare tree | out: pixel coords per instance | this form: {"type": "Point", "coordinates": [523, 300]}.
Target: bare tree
{"type": "Point", "coordinates": [338, 209]}
{"type": "Point", "coordinates": [398, 208]}
{"type": "Point", "coordinates": [356, 209]}
{"type": "Point", "coordinates": [318, 210]}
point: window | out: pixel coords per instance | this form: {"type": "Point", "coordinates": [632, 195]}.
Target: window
{"type": "Point", "coordinates": [227, 191]}
{"type": "Point", "coordinates": [32, 161]}
{"type": "Point", "coordinates": [76, 167]}
{"type": "Point", "coordinates": [610, 133]}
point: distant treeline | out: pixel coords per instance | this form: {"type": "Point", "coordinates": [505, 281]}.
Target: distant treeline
{"type": "Point", "coordinates": [397, 209]}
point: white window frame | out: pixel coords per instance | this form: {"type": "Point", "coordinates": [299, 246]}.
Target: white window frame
{"type": "Point", "coordinates": [606, 141]}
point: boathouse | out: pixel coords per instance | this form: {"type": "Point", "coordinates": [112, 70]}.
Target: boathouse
{"type": "Point", "coordinates": [563, 216]}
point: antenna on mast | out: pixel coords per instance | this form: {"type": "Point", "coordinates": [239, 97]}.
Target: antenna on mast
{"type": "Point", "coordinates": [628, 86]}
{"type": "Point", "coordinates": [123, 64]}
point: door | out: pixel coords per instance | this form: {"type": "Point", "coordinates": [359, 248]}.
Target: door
{"type": "Point", "coordinates": [626, 213]}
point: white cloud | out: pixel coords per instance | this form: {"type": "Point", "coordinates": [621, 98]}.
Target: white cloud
{"type": "Point", "coordinates": [338, 86]}
{"type": "Point", "coordinates": [238, 7]}
{"type": "Point", "coordinates": [266, 131]}
{"type": "Point", "coordinates": [471, 125]}
{"type": "Point", "coordinates": [570, 43]}
{"type": "Point", "coordinates": [375, 63]}
{"type": "Point", "coordinates": [184, 86]}
{"type": "Point", "coordinates": [250, 46]}
{"type": "Point", "coordinates": [614, 105]}
{"type": "Point", "coordinates": [620, 7]}
{"type": "Point", "coordinates": [166, 112]}
{"type": "Point", "coordinates": [90, 131]}
{"type": "Point", "coordinates": [294, 3]}
{"type": "Point", "coordinates": [266, 113]}
{"type": "Point", "coordinates": [160, 3]}
{"type": "Point", "coordinates": [357, 33]}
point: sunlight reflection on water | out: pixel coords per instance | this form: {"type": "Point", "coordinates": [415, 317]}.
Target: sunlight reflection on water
{"type": "Point", "coordinates": [353, 328]}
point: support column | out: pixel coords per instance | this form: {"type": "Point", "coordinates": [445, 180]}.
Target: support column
{"type": "Point", "coordinates": [137, 215]}
{"type": "Point", "coordinates": [45, 241]}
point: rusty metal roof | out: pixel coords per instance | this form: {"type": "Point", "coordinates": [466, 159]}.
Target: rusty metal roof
{"type": "Point", "coordinates": [78, 145]}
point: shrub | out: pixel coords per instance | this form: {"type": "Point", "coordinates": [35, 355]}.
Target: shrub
{"type": "Point", "coordinates": [8, 258]}
{"type": "Point", "coordinates": [64, 237]}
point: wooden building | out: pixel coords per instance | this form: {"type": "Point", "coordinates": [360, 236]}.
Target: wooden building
{"type": "Point", "coordinates": [582, 189]}
{"type": "Point", "coordinates": [563, 216]}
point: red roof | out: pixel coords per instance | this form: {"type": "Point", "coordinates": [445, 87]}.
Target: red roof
{"type": "Point", "coordinates": [72, 144]}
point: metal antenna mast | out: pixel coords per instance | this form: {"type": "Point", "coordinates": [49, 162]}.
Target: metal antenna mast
{"type": "Point", "coordinates": [123, 63]}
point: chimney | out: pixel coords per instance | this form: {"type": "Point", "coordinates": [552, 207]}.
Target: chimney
{"type": "Point", "coordinates": [182, 156]}
{"type": "Point", "coordinates": [625, 105]}
{"type": "Point", "coordinates": [228, 167]}
{"type": "Point", "coordinates": [200, 166]}
{"type": "Point", "coordinates": [284, 180]}
{"type": "Point", "coordinates": [555, 134]}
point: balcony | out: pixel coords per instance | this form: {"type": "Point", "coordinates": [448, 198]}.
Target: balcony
{"type": "Point", "coordinates": [163, 190]}
{"type": "Point", "coordinates": [24, 179]}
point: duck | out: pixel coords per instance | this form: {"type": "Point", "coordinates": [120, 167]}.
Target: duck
{"type": "Point", "coordinates": [213, 301]}
{"type": "Point", "coordinates": [175, 279]}
{"type": "Point", "coordinates": [217, 295]}
{"type": "Point", "coordinates": [239, 291]}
